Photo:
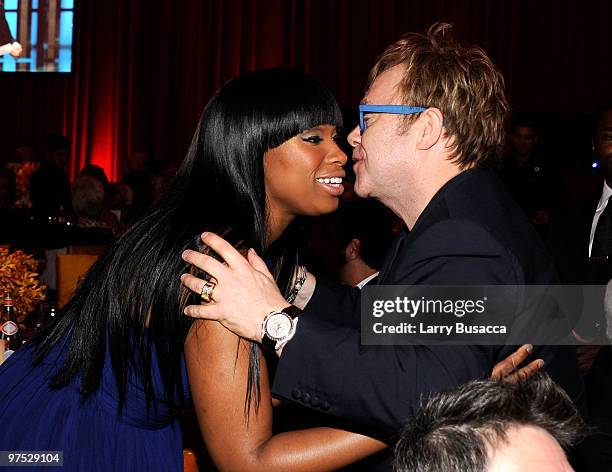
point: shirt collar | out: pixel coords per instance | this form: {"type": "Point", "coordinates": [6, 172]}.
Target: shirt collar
{"type": "Point", "coordinates": [366, 280]}
{"type": "Point", "coordinates": [605, 195]}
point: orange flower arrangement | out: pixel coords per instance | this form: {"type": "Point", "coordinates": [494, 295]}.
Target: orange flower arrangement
{"type": "Point", "coordinates": [19, 277]}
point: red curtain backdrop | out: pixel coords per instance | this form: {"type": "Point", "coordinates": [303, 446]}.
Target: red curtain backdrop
{"type": "Point", "coordinates": [144, 69]}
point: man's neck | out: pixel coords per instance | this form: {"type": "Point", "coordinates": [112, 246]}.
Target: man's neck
{"type": "Point", "coordinates": [410, 207]}
{"type": "Point", "coordinates": [522, 159]}
{"type": "Point", "coordinates": [355, 271]}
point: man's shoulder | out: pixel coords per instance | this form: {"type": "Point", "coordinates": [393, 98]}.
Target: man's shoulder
{"type": "Point", "coordinates": [456, 237]}
{"type": "Point", "coordinates": [451, 252]}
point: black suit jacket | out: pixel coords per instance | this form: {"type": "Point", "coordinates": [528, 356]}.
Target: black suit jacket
{"type": "Point", "coordinates": [5, 33]}
{"type": "Point", "coordinates": [472, 232]}
{"type": "Point", "coordinates": [568, 239]}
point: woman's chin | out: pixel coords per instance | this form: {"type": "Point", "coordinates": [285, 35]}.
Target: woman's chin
{"type": "Point", "coordinates": [329, 207]}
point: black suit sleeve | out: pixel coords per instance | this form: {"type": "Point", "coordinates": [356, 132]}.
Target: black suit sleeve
{"type": "Point", "coordinates": [336, 304]}
{"type": "Point", "coordinates": [325, 366]}
{"type": "Point", "coordinates": [5, 33]}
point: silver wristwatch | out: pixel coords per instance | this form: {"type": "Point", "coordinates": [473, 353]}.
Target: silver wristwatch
{"type": "Point", "coordinates": [278, 327]}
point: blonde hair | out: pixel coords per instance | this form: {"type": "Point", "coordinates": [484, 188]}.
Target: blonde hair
{"type": "Point", "coordinates": [461, 81]}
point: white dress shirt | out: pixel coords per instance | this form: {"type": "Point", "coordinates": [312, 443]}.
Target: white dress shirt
{"type": "Point", "coordinates": [601, 206]}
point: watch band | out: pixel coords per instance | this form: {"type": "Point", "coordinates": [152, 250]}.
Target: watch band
{"type": "Point", "coordinates": [292, 311]}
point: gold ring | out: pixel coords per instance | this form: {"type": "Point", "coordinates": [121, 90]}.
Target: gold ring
{"type": "Point", "coordinates": [206, 293]}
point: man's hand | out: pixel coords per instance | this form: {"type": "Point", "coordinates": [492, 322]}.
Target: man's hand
{"type": "Point", "coordinates": [245, 292]}
{"type": "Point", "coordinates": [16, 49]}
{"type": "Point", "coordinates": [2, 350]}
{"type": "Point", "coordinates": [509, 369]}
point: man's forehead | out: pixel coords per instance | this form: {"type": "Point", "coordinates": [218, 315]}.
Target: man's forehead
{"type": "Point", "coordinates": [384, 89]}
{"type": "Point", "coordinates": [524, 131]}
{"type": "Point", "coordinates": [605, 124]}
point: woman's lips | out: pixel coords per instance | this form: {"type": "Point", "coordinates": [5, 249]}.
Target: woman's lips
{"type": "Point", "coordinates": [334, 189]}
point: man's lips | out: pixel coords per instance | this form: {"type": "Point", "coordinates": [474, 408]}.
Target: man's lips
{"type": "Point", "coordinates": [357, 154]}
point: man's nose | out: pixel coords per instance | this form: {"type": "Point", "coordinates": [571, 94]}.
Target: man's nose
{"type": "Point", "coordinates": [354, 137]}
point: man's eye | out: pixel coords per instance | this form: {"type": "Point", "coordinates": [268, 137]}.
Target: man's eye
{"type": "Point", "coordinates": [313, 139]}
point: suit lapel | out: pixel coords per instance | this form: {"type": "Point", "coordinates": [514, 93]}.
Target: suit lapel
{"type": "Point", "coordinates": [391, 256]}
{"type": "Point", "coordinates": [591, 207]}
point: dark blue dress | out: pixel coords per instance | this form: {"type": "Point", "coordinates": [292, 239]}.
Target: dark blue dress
{"type": "Point", "coordinates": [92, 436]}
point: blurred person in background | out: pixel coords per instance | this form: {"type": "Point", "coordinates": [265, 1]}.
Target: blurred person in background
{"type": "Point", "coordinates": [88, 205]}
{"type": "Point", "coordinates": [49, 186]}
{"type": "Point", "coordinates": [527, 175]}
{"type": "Point", "coordinates": [349, 246]}
{"type": "Point", "coordinates": [162, 182]}
{"type": "Point", "coordinates": [107, 217]}
{"type": "Point", "coordinates": [119, 201]}
{"type": "Point", "coordinates": [580, 241]}
{"type": "Point", "coordinates": [140, 172]}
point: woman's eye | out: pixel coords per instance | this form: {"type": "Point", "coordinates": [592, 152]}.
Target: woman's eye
{"type": "Point", "coordinates": [337, 138]}
{"type": "Point", "coordinates": [313, 139]}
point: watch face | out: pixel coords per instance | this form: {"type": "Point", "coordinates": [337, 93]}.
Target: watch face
{"type": "Point", "coordinates": [278, 326]}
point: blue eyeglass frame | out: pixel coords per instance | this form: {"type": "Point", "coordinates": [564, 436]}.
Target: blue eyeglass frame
{"type": "Point", "coordinates": [391, 109]}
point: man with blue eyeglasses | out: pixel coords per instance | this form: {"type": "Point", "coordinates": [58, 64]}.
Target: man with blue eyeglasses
{"type": "Point", "coordinates": [431, 122]}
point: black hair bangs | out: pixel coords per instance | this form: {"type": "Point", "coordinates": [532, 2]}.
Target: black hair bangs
{"type": "Point", "coordinates": [278, 104]}
{"type": "Point", "coordinates": [301, 109]}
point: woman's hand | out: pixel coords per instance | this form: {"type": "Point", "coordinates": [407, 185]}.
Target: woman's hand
{"type": "Point", "coordinates": [509, 369]}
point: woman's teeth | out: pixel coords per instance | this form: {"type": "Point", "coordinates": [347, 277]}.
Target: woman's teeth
{"type": "Point", "coordinates": [335, 181]}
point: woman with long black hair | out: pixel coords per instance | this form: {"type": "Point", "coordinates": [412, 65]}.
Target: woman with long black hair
{"type": "Point", "coordinates": [104, 384]}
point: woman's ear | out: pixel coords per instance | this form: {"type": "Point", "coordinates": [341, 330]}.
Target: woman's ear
{"type": "Point", "coordinates": [432, 125]}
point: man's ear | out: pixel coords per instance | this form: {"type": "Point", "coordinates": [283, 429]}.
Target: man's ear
{"type": "Point", "coordinates": [432, 125]}
{"type": "Point", "coordinates": [352, 250]}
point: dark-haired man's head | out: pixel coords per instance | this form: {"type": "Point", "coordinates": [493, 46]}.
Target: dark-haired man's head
{"type": "Point", "coordinates": [366, 231]}
{"type": "Point", "coordinates": [524, 138]}
{"type": "Point", "coordinates": [602, 141]}
{"type": "Point", "coordinates": [492, 426]}
{"type": "Point", "coordinates": [349, 246]}
{"type": "Point", "coordinates": [57, 151]}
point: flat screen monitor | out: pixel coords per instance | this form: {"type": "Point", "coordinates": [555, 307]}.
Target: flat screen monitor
{"type": "Point", "coordinates": [36, 35]}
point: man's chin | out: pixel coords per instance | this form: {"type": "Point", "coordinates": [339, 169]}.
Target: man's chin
{"type": "Point", "coordinates": [361, 190]}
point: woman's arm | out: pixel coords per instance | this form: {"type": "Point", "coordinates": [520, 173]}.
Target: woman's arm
{"type": "Point", "coordinates": [217, 364]}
